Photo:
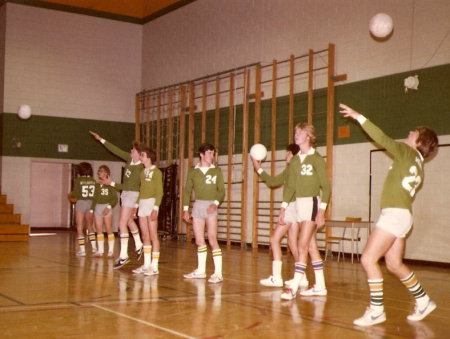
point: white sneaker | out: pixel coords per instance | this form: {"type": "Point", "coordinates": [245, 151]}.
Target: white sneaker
{"type": "Point", "coordinates": [215, 278]}
{"type": "Point", "coordinates": [140, 270]}
{"type": "Point", "coordinates": [81, 254]}
{"type": "Point", "coordinates": [304, 283]}
{"type": "Point", "coordinates": [288, 294]}
{"type": "Point", "coordinates": [314, 291]}
{"type": "Point", "coordinates": [370, 317]}
{"type": "Point", "coordinates": [419, 313]}
{"type": "Point", "coordinates": [151, 271]}
{"type": "Point", "coordinates": [110, 254]}
{"type": "Point", "coordinates": [195, 275]}
{"type": "Point", "coordinates": [272, 282]}
{"type": "Point", "coordinates": [97, 255]}
{"type": "Point", "coordinates": [288, 282]}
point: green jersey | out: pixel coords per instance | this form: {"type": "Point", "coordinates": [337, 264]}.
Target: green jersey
{"type": "Point", "coordinates": [104, 194]}
{"type": "Point", "coordinates": [207, 186]}
{"type": "Point", "coordinates": [130, 178]}
{"type": "Point", "coordinates": [277, 180]}
{"type": "Point", "coordinates": [151, 184]}
{"type": "Point", "coordinates": [83, 188]}
{"type": "Point", "coordinates": [307, 177]}
{"type": "Point", "coordinates": [405, 174]}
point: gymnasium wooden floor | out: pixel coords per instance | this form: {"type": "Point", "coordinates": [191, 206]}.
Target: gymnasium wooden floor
{"type": "Point", "coordinates": [47, 292]}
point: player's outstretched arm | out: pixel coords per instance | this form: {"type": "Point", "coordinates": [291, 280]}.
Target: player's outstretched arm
{"type": "Point", "coordinates": [95, 135]}
{"type": "Point", "coordinates": [348, 112]}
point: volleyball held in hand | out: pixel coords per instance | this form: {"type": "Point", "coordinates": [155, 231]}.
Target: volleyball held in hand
{"type": "Point", "coordinates": [381, 25]}
{"type": "Point", "coordinates": [258, 152]}
{"type": "Point", "coordinates": [24, 112]}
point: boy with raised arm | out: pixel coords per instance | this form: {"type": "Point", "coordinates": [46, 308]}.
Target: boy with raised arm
{"type": "Point", "coordinates": [388, 237]}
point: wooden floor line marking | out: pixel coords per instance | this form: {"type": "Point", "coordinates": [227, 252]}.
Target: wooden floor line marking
{"type": "Point", "coordinates": [144, 322]}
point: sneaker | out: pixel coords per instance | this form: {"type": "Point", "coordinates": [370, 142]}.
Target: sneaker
{"type": "Point", "coordinates": [195, 275]}
{"type": "Point", "coordinates": [152, 271]}
{"type": "Point", "coordinates": [419, 314]}
{"type": "Point", "coordinates": [81, 254]}
{"type": "Point", "coordinates": [370, 317]}
{"type": "Point", "coordinates": [140, 270]}
{"type": "Point", "coordinates": [121, 262]}
{"type": "Point", "coordinates": [304, 283]}
{"type": "Point", "coordinates": [314, 291]}
{"type": "Point", "coordinates": [288, 294]}
{"type": "Point", "coordinates": [272, 282]}
{"type": "Point", "coordinates": [139, 253]}
{"type": "Point", "coordinates": [215, 278]}
{"type": "Point", "coordinates": [97, 255]}
{"type": "Point", "coordinates": [110, 254]}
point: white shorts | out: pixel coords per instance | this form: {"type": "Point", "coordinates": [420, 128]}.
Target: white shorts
{"type": "Point", "coordinates": [99, 208]}
{"type": "Point", "coordinates": [199, 209]}
{"type": "Point", "coordinates": [146, 207]}
{"type": "Point", "coordinates": [290, 214]}
{"type": "Point", "coordinates": [307, 208]}
{"type": "Point", "coordinates": [397, 221]}
{"type": "Point", "coordinates": [83, 206]}
{"type": "Point", "coordinates": [129, 198]}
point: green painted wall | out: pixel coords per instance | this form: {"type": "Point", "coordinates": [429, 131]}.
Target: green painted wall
{"type": "Point", "coordinates": [383, 100]}
{"type": "Point", "coordinates": [40, 135]}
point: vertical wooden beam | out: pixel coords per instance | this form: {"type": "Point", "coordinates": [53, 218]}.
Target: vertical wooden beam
{"type": "Point", "coordinates": [291, 99]}
{"type": "Point", "coordinates": [256, 139]}
{"type": "Point", "coordinates": [203, 138]}
{"type": "Point", "coordinates": [310, 86]}
{"type": "Point", "coordinates": [182, 107]}
{"type": "Point", "coordinates": [244, 158]}
{"type": "Point", "coordinates": [273, 138]}
{"type": "Point", "coordinates": [217, 114]}
{"type": "Point", "coordinates": [230, 152]}
{"type": "Point", "coordinates": [158, 127]}
{"type": "Point", "coordinates": [191, 124]}
{"type": "Point", "coordinates": [330, 118]}
{"type": "Point", "coordinates": [169, 125]}
{"type": "Point", "coordinates": [137, 117]}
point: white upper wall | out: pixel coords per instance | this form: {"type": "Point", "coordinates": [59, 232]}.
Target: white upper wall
{"type": "Point", "coordinates": [208, 36]}
{"type": "Point", "coordinates": [71, 65]}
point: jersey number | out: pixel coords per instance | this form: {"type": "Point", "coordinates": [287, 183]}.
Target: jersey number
{"type": "Point", "coordinates": [87, 191]}
{"type": "Point", "coordinates": [211, 179]}
{"type": "Point", "coordinates": [411, 182]}
{"type": "Point", "coordinates": [104, 191]}
{"type": "Point", "coordinates": [307, 169]}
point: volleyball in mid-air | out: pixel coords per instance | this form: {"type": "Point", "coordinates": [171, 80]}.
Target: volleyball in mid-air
{"type": "Point", "coordinates": [381, 25]}
{"type": "Point", "coordinates": [258, 152]}
{"type": "Point", "coordinates": [24, 112]}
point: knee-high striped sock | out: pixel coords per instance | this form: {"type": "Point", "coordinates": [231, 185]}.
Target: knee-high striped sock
{"type": "Point", "coordinates": [300, 269]}
{"type": "Point", "coordinates": [201, 257]}
{"type": "Point", "coordinates": [81, 242]}
{"type": "Point", "coordinates": [147, 255]}
{"type": "Point", "coordinates": [318, 274]}
{"type": "Point", "coordinates": [376, 294]}
{"type": "Point", "coordinates": [93, 242]}
{"type": "Point", "coordinates": [123, 245]}
{"type": "Point", "coordinates": [101, 242]}
{"type": "Point", "coordinates": [415, 288]}
{"type": "Point", "coordinates": [217, 258]}
{"type": "Point", "coordinates": [111, 243]}
{"type": "Point", "coordinates": [137, 239]}
{"type": "Point", "coordinates": [155, 260]}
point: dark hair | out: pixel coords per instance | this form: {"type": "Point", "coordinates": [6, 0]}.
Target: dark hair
{"type": "Point", "coordinates": [151, 154]}
{"type": "Point", "coordinates": [293, 148]}
{"type": "Point", "coordinates": [427, 141]}
{"type": "Point", "coordinates": [136, 145]}
{"type": "Point", "coordinates": [206, 147]}
{"type": "Point", "coordinates": [85, 169]}
{"type": "Point", "coordinates": [106, 169]}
